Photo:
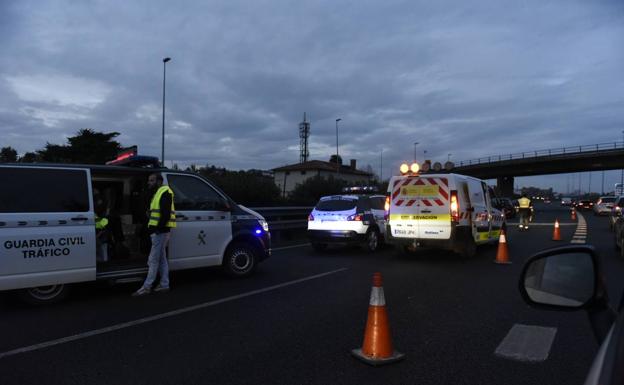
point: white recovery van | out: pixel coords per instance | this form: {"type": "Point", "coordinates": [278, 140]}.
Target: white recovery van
{"type": "Point", "coordinates": [445, 211]}
{"type": "Point", "coordinates": [48, 234]}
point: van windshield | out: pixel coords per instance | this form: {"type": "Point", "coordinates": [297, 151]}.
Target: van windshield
{"type": "Point", "coordinates": [336, 205]}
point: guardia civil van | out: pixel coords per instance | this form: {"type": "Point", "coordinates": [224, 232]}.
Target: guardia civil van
{"type": "Point", "coordinates": [48, 234]}
{"type": "Point", "coordinates": [441, 210]}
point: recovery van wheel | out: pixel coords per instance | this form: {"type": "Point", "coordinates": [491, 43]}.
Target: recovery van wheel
{"type": "Point", "coordinates": [43, 295]}
{"type": "Point", "coordinates": [240, 260]}
{"type": "Point", "coordinates": [319, 246]}
{"type": "Point", "coordinates": [469, 248]}
{"type": "Point", "coordinates": [372, 240]}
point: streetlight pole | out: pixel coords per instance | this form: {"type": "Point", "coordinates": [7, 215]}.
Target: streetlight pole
{"type": "Point", "coordinates": [622, 172]}
{"type": "Point", "coordinates": [162, 154]}
{"type": "Point", "coordinates": [415, 144]}
{"type": "Point", "coordinates": [448, 157]}
{"type": "Point", "coordinates": [337, 164]}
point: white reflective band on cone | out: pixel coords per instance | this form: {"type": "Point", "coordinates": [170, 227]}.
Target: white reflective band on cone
{"type": "Point", "coordinates": [377, 297]}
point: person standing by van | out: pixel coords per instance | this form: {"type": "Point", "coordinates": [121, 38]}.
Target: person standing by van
{"type": "Point", "coordinates": [161, 221]}
{"type": "Point", "coordinates": [524, 205]}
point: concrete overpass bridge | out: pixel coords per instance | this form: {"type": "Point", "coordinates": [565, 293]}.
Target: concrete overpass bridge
{"type": "Point", "coordinates": [503, 168]}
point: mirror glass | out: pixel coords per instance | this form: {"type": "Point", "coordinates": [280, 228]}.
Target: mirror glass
{"type": "Point", "coordinates": [561, 279]}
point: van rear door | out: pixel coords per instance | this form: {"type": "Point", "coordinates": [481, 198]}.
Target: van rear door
{"type": "Point", "coordinates": [47, 228]}
{"type": "Point", "coordinates": [420, 206]}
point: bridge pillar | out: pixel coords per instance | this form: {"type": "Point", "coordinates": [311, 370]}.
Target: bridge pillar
{"type": "Point", "coordinates": [505, 186]}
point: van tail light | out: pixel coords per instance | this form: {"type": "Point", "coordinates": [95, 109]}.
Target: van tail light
{"type": "Point", "coordinates": [454, 206]}
{"type": "Point", "coordinates": [310, 217]}
{"type": "Point", "coordinates": [387, 208]}
{"type": "Point", "coordinates": [355, 217]}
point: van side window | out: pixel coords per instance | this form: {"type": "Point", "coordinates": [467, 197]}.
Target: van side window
{"type": "Point", "coordinates": [32, 190]}
{"type": "Point", "coordinates": [191, 193]}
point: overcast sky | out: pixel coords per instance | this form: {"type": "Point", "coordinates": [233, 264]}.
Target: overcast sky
{"type": "Point", "coordinates": [471, 79]}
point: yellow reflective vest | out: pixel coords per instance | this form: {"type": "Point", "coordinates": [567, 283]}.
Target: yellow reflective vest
{"type": "Point", "coordinates": [100, 223]}
{"type": "Point", "coordinates": [154, 217]}
{"type": "Point", "coordinates": [524, 203]}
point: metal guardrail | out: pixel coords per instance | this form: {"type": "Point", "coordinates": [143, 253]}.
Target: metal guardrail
{"type": "Point", "coordinates": [541, 153]}
{"type": "Point", "coordinates": [285, 218]}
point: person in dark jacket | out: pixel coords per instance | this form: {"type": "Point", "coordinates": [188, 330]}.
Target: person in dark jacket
{"type": "Point", "coordinates": [161, 221]}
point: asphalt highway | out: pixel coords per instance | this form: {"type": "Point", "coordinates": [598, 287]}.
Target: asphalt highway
{"type": "Point", "coordinates": [297, 319]}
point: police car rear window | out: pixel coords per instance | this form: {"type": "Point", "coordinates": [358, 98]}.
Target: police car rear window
{"type": "Point", "coordinates": [336, 205]}
{"type": "Point", "coordinates": [31, 190]}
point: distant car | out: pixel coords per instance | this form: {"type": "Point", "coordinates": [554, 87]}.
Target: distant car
{"type": "Point", "coordinates": [604, 205]}
{"type": "Point", "coordinates": [547, 201]}
{"type": "Point", "coordinates": [505, 205]}
{"type": "Point", "coordinates": [566, 201]}
{"type": "Point", "coordinates": [616, 211]}
{"type": "Point", "coordinates": [344, 219]}
{"type": "Point", "coordinates": [584, 204]}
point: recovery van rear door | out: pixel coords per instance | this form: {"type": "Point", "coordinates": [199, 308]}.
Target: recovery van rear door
{"type": "Point", "coordinates": [47, 228]}
{"type": "Point", "coordinates": [421, 204]}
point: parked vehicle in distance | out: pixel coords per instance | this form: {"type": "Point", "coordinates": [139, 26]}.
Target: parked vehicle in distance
{"type": "Point", "coordinates": [584, 204]}
{"type": "Point", "coordinates": [350, 218]}
{"type": "Point", "coordinates": [618, 231]}
{"type": "Point", "coordinates": [566, 201]}
{"type": "Point", "coordinates": [445, 211]}
{"type": "Point", "coordinates": [505, 205]}
{"type": "Point", "coordinates": [616, 211]}
{"type": "Point", "coordinates": [571, 278]}
{"type": "Point", "coordinates": [603, 205]}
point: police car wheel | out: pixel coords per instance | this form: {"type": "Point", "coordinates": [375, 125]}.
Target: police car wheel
{"type": "Point", "coordinates": [42, 295]}
{"type": "Point", "coordinates": [240, 260]}
{"type": "Point", "coordinates": [372, 240]}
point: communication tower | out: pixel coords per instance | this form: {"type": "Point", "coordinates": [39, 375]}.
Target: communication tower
{"type": "Point", "coordinates": [304, 134]}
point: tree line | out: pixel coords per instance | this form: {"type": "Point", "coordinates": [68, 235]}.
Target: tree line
{"type": "Point", "coordinates": [250, 187]}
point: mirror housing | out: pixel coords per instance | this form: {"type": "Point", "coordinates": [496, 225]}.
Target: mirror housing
{"type": "Point", "coordinates": [563, 278]}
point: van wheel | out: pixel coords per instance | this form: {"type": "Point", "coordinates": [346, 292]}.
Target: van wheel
{"type": "Point", "coordinates": [240, 260]}
{"type": "Point", "coordinates": [469, 248]}
{"type": "Point", "coordinates": [43, 295]}
{"type": "Point", "coordinates": [319, 246]}
{"type": "Point", "coordinates": [372, 240]}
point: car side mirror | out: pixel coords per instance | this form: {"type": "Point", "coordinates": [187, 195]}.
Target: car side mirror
{"type": "Point", "coordinates": [565, 278]}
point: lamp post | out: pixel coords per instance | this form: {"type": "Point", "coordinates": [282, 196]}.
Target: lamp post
{"type": "Point", "coordinates": [448, 157]}
{"type": "Point", "coordinates": [337, 164]}
{"type": "Point", "coordinates": [415, 144]}
{"type": "Point", "coordinates": [162, 154]}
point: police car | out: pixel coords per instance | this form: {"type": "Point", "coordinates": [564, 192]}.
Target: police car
{"type": "Point", "coordinates": [348, 218]}
{"type": "Point", "coordinates": [440, 210]}
{"type": "Point", "coordinates": [48, 232]}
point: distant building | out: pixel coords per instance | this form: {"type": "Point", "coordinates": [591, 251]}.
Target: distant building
{"type": "Point", "coordinates": [288, 177]}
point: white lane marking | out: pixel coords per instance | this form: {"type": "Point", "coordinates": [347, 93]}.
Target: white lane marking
{"type": "Point", "coordinates": [527, 343]}
{"type": "Point", "coordinates": [580, 234]}
{"type": "Point", "coordinates": [157, 317]}
{"type": "Point", "coordinates": [290, 247]}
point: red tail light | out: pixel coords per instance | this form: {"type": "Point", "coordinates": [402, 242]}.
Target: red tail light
{"type": "Point", "coordinates": [355, 217]}
{"type": "Point", "coordinates": [387, 208]}
{"type": "Point", "coordinates": [310, 217]}
{"type": "Point", "coordinates": [454, 206]}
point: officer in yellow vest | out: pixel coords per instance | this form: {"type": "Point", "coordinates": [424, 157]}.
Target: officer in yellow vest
{"type": "Point", "coordinates": [524, 205]}
{"type": "Point", "coordinates": [101, 238]}
{"type": "Point", "coordinates": [161, 221]}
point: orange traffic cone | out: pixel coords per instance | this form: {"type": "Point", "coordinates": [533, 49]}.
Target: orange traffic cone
{"type": "Point", "coordinates": [377, 347]}
{"type": "Point", "coordinates": [573, 214]}
{"type": "Point", "coordinates": [556, 233]}
{"type": "Point", "coordinates": [502, 255]}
